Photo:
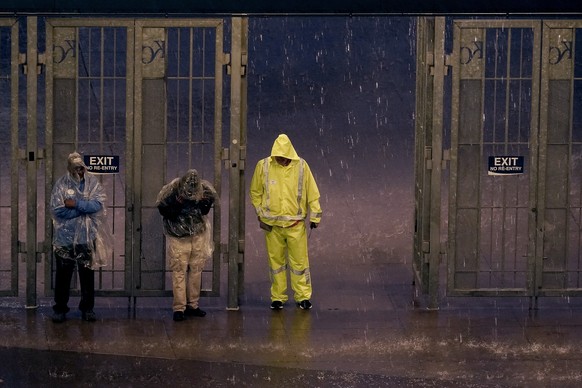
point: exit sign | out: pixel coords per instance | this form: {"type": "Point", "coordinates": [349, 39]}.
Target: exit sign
{"type": "Point", "coordinates": [505, 165]}
{"type": "Point", "coordinates": [102, 164]}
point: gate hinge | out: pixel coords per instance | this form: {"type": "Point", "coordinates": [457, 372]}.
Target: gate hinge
{"type": "Point", "coordinates": [226, 157]}
{"type": "Point", "coordinates": [31, 156]}
{"type": "Point", "coordinates": [447, 61]}
{"type": "Point", "coordinates": [446, 158]}
{"type": "Point", "coordinates": [21, 247]}
{"type": "Point", "coordinates": [242, 156]}
{"type": "Point", "coordinates": [40, 249]}
{"type": "Point", "coordinates": [244, 59]}
{"type": "Point", "coordinates": [41, 61]}
{"type": "Point", "coordinates": [428, 157]}
{"type": "Point", "coordinates": [226, 58]}
{"type": "Point", "coordinates": [224, 252]}
{"type": "Point", "coordinates": [241, 246]}
{"type": "Point", "coordinates": [426, 246]}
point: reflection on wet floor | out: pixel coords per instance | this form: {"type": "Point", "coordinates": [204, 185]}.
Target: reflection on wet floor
{"type": "Point", "coordinates": [382, 342]}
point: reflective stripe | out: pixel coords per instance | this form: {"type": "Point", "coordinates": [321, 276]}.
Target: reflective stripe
{"type": "Point", "coordinates": [317, 215]}
{"type": "Point", "coordinates": [300, 186]}
{"type": "Point", "coordinates": [283, 218]}
{"type": "Point", "coordinates": [279, 270]}
{"type": "Point", "coordinates": [304, 272]}
{"type": "Point", "coordinates": [266, 173]}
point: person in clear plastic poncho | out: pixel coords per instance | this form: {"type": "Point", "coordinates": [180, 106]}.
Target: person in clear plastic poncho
{"type": "Point", "coordinates": [81, 237]}
{"type": "Point", "coordinates": [184, 204]}
{"type": "Point", "coordinates": [283, 191]}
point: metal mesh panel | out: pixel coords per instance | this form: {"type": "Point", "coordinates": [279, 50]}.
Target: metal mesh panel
{"type": "Point", "coordinates": [89, 94]}
{"type": "Point", "coordinates": [178, 91]}
{"type": "Point", "coordinates": [489, 226]}
{"type": "Point", "coordinates": [561, 253]}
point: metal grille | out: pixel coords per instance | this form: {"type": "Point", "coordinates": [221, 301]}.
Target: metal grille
{"type": "Point", "coordinates": [560, 191]}
{"type": "Point", "coordinates": [179, 92]}
{"type": "Point", "coordinates": [87, 83]}
{"type": "Point", "coordinates": [150, 92]}
{"type": "Point", "coordinates": [494, 91]}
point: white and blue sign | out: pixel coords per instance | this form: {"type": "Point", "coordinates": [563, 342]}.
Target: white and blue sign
{"type": "Point", "coordinates": [505, 165]}
{"type": "Point", "coordinates": [102, 164]}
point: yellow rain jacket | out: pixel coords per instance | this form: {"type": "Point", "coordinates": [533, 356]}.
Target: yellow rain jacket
{"type": "Point", "coordinates": [282, 195]}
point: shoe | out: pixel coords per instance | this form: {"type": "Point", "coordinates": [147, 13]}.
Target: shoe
{"type": "Point", "coordinates": [194, 312]}
{"type": "Point", "coordinates": [178, 316]}
{"type": "Point", "coordinates": [276, 305]}
{"type": "Point", "coordinates": [304, 305]}
{"type": "Point", "coordinates": [59, 317]}
{"type": "Point", "coordinates": [88, 316]}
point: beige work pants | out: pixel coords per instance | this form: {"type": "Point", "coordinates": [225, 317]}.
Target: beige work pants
{"type": "Point", "coordinates": [187, 258]}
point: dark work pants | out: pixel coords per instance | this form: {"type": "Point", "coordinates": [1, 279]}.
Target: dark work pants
{"type": "Point", "coordinates": [64, 275]}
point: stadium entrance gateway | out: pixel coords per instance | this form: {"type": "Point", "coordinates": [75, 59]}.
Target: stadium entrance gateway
{"type": "Point", "coordinates": [142, 100]}
{"type": "Point", "coordinates": [142, 96]}
{"type": "Point", "coordinates": [515, 177]}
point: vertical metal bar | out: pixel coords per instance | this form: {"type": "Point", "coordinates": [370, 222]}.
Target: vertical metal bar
{"type": "Point", "coordinates": [538, 139]}
{"type": "Point", "coordinates": [15, 163]}
{"type": "Point", "coordinates": [243, 144]}
{"type": "Point", "coordinates": [437, 157]}
{"type": "Point", "coordinates": [235, 149]}
{"type": "Point", "coordinates": [217, 225]}
{"type": "Point", "coordinates": [133, 197]}
{"type": "Point", "coordinates": [424, 61]}
{"type": "Point", "coordinates": [49, 106]}
{"type": "Point", "coordinates": [31, 157]}
{"type": "Point", "coordinates": [191, 136]}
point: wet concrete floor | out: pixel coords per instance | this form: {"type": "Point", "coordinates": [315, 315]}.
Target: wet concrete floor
{"type": "Point", "coordinates": [373, 336]}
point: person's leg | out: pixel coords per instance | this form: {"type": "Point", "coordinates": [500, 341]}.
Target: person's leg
{"type": "Point", "coordinates": [179, 251]}
{"type": "Point", "coordinates": [276, 251]}
{"type": "Point", "coordinates": [299, 262]}
{"type": "Point", "coordinates": [63, 276]}
{"type": "Point", "coordinates": [196, 263]}
{"type": "Point", "coordinates": [86, 279]}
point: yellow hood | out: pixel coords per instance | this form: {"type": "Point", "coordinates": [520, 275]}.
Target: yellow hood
{"type": "Point", "coordinates": [283, 147]}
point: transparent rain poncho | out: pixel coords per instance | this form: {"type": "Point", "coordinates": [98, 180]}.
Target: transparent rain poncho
{"type": "Point", "coordinates": [184, 204]}
{"type": "Point", "coordinates": [82, 230]}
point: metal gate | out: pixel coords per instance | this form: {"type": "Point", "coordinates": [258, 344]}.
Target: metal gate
{"type": "Point", "coordinates": [149, 92]}
{"type": "Point", "coordinates": [515, 230]}
{"type": "Point", "coordinates": [558, 254]}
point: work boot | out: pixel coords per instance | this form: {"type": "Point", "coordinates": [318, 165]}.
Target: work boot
{"type": "Point", "coordinates": [59, 317]}
{"type": "Point", "coordinates": [178, 316]}
{"type": "Point", "coordinates": [194, 312]}
{"type": "Point", "coordinates": [304, 305]}
{"type": "Point", "coordinates": [88, 316]}
{"type": "Point", "coordinates": [276, 305]}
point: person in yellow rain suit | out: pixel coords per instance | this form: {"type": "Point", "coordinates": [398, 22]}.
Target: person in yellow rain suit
{"type": "Point", "coordinates": [282, 191]}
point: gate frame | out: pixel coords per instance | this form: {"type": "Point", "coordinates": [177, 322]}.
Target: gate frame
{"type": "Point", "coordinates": [236, 66]}
{"type": "Point", "coordinates": [431, 69]}
{"type": "Point", "coordinates": [529, 287]}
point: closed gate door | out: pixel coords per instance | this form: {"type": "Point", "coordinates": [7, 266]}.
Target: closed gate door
{"type": "Point", "coordinates": [150, 94]}
{"type": "Point", "coordinates": [494, 153]}
{"type": "Point", "coordinates": [178, 89]}
{"type": "Point", "coordinates": [89, 100]}
{"type": "Point", "coordinates": [516, 168]}
{"type": "Point", "coordinates": [559, 219]}
{"type": "Point", "coordinates": [9, 145]}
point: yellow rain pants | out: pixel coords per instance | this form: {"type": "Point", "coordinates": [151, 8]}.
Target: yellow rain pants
{"type": "Point", "coordinates": [287, 248]}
